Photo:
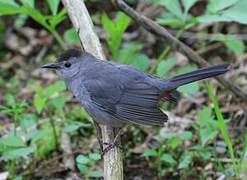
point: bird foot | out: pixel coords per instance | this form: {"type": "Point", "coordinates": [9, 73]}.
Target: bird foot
{"type": "Point", "coordinates": [111, 146]}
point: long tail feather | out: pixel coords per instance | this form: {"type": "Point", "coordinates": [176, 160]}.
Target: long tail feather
{"type": "Point", "coordinates": [196, 75]}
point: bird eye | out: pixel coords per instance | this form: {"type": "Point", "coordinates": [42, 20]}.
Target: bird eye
{"type": "Point", "coordinates": [67, 64]}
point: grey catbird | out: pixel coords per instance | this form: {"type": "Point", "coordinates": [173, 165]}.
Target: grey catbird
{"type": "Point", "coordinates": [116, 94]}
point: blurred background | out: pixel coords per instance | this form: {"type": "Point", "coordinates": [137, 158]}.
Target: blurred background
{"type": "Point", "coordinates": [45, 134]}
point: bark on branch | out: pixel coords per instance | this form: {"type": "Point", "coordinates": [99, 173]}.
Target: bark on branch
{"type": "Point", "coordinates": [79, 16]}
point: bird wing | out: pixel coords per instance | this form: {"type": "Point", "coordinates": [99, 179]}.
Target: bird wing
{"type": "Point", "coordinates": [130, 100]}
{"type": "Point", "coordinates": [140, 104]}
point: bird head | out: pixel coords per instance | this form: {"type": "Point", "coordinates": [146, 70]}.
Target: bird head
{"type": "Point", "coordinates": [68, 63]}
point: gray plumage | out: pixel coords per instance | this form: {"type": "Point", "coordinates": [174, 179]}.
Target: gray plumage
{"type": "Point", "coordinates": [116, 94]}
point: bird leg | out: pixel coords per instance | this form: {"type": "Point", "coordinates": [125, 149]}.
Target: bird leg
{"type": "Point", "coordinates": [99, 135]}
{"type": "Point", "coordinates": [114, 143]}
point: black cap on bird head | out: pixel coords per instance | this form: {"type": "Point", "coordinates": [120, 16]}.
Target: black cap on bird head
{"type": "Point", "coordinates": [66, 55]}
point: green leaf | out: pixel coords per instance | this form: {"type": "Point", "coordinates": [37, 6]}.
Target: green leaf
{"type": "Point", "coordinates": [208, 18]}
{"type": "Point", "coordinates": [73, 126]}
{"type": "Point", "coordinates": [59, 102]}
{"type": "Point", "coordinates": [108, 25]}
{"type": "Point", "coordinates": [55, 20]}
{"type": "Point", "coordinates": [81, 159]}
{"type": "Point", "coordinates": [188, 4]}
{"type": "Point", "coordinates": [207, 134]}
{"type": "Point", "coordinates": [140, 62]}
{"type": "Point", "coordinates": [172, 21]}
{"type": "Point", "coordinates": [205, 120]}
{"type": "Point", "coordinates": [28, 120]}
{"type": "Point", "coordinates": [115, 30]}
{"type": "Point", "coordinates": [172, 6]}
{"type": "Point", "coordinates": [29, 2]}
{"type": "Point", "coordinates": [167, 135]}
{"type": "Point", "coordinates": [44, 140]}
{"type": "Point", "coordinates": [34, 14]}
{"type": "Point", "coordinates": [150, 153]}
{"type": "Point", "coordinates": [237, 46]}
{"type": "Point", "coordinates": [231, 42]}
{"type": "Point", "coordinates": [217, 5]}
{"type": "Point", "coordinates": [238, 12]}
{"type": "Point", "coordinates": [53, 5]}
{"type": "Point", "coordinates": [174, 143]}
{"type": "Point", "coordinates": [168, 158]}
{"type": "Point", "coordinates": [165, 66]}
{"type": "Point", "coordinates": [235, 11]}
{"type": "Point", "coordinates": [83, 169]}
{"type": "Point", "coordinates": [8, 7]}
{"type": "Point", "coordinates": [186, 135]}
{"type": "Point", "coordinates": [204, 152]}
{"type": "Point", "coordinates": [12, 141]}
{"type": "Point", "coordinates": [20, 20]}
{"type": "Point", "coordinates": [128, 50]}
{"type": "Point", "coordinates": [95, 156]}
{"type": "Point", "coordinates": [204, 116]}
{"type": "Point", "coordinates": [191, 88]}
{"type": "Point", "coordinates": [71, 37]}
{"type": "Point", "coordinates": [10, 100]}
{"type": "Point", "coordinates": [57, 87]}
{"type": "Point", "coordinates": [122, 22]}
{"type": "Point", "coordinates": [95, 174]}
{"type": "Point", "coordinates": [39, 103]}
{"type": "Point", "coordinates": [18, 153]}
{"type": "Point", "coordinates": [185, 160]}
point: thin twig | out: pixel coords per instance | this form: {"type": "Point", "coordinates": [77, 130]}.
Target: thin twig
{"type": "Point", "coordinates": [113, 165]}
{"type": "Point", "coordinates": [153, 27]}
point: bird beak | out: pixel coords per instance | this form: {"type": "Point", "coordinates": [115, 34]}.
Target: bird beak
{"type": "Point", "coordinates": [51, 66]}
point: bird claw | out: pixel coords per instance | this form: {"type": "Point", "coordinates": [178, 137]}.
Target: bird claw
{"type": "Point", "coordinates": [110, 146]}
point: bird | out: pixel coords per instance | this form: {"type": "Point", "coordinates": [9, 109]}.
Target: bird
{"type": "Point", "coordinates": [116, 94]}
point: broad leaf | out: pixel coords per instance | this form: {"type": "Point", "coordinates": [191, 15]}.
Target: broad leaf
{"type": "Point", "coordinates": [18, 153]}
{"type": "Point", "coordinates": [12, 141]}
{"type": "Point", "coordinates": [28, 2]}
{"type": "Point", "coordinates": [173, 6]}
{"type": "Point", "coordinates": [217, 5]}
{"type": "Point", "coordinates": [238, 12]}
{"type": "Point", "coordinates": [150, 153]}
{"type": "Point", "coordinates": [186, 135]}
{"type": "Point", "coordinates": [188, 4]}
{"type": "Point", "coordinates": [208, 18]}
{"type": "Point", "coordinates": [207, 134]}
{"type": "Point", "coordinates": [39, 103]}
{"type": "Point", "coordinates": [140, 61]}
{"type": "Point", "coordinates": [57, 87]}
{"type": "Point", "coordinates": [81, 159]}
{"type": "Point", "coordinates": [71, 36]}
{"type": "Point", "coordinates": [168, 158]}
{"type": "Point", "coordinates": [185, 160]}
{"type": "Point", "coordinates": [53, 5]}
{"type": "Point", "coordinates": [8, 7]}
{"type": "Point", "coordinates": [95, 156]}
{"type": "Point", "coordinates": [165, 66]}
{"type": "Point", "coordinates": [59, 102]}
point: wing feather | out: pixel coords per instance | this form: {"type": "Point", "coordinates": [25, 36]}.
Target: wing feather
{"type": "Point", "coordinates": [130, 99]}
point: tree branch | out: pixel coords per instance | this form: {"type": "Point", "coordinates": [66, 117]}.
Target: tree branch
{"type": "Point", "coordinates": [153, 27]}
{"type": "Point", "coordinates": [113, 165]}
